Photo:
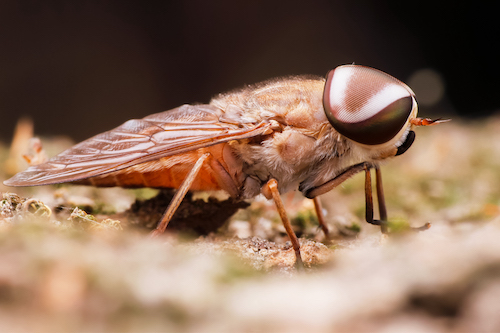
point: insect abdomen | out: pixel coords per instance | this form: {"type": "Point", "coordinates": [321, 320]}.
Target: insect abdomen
{"type": "Point", "coordinates": [166, 172]}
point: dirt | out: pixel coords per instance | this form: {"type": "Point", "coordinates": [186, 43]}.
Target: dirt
{"type": "Point", "coordinates": [97, 269]}
{"type": "Point", "coordinates": [193, 215]}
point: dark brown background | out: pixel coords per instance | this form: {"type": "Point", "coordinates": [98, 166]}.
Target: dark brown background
{"type": "Point", "coordinates": [80, 69]}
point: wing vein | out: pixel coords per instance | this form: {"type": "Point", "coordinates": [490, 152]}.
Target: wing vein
{"type": "Point", "coordinates": [167, 133]}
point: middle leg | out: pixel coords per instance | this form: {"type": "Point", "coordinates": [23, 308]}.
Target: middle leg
{"type": "Point", "coordinates": [270, 190]}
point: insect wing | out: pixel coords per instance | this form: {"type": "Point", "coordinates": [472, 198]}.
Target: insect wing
{"type": "Point", "coordinates": [183, 129]}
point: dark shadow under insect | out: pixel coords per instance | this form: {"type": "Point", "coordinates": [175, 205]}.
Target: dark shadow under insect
{"type": "Point", "coordinates": [194, 216]}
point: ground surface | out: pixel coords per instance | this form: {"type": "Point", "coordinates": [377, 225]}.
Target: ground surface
{"type": "Point", "coordinates": [64, 270]}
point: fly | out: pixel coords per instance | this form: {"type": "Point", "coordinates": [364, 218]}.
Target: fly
{"type": "Point", "coordinates": [301, 132]}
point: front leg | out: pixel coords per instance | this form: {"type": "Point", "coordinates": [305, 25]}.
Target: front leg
{"type": "Point", "coordinates": [348, 173]}
{"type": "Point", "coordinates": [351, 171]}
{"type": "Point", "coordinates": [369, 200]}
{"type": "Point", "coordinates": [381, 202]}
{"type": "Point", "coordinates": [333, 183]}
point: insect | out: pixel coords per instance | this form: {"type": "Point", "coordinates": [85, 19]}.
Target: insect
{"type": "Point", "coordinates": [301, 132]}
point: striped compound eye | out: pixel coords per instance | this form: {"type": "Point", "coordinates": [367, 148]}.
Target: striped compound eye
{"type": "Point", "coordinates": [366, 105]}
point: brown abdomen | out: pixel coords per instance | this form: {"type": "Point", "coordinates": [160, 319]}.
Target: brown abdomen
{"type": "Point", "coordinates": [166, 172]}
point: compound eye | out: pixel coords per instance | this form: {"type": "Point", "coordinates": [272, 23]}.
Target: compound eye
{"type": "Point", "coordinates": [366, 105]}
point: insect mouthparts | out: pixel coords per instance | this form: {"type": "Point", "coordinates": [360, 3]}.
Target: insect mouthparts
{"type": "Point", "coordinates": [410, 138]}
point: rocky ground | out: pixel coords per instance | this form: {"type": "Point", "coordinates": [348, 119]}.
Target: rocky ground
{"type": "Point", "coordinates": [96, 268]}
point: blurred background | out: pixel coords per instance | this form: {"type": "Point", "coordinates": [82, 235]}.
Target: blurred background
{"type": "Point", "coordinates": [79, 69]}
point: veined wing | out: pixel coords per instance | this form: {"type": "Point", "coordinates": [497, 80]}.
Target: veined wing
{"type": "Point", "coordinates": [167, 133]}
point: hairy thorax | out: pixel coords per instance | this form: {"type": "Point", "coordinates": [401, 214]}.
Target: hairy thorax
{"type": "Point", "coordinates": [303, 148]}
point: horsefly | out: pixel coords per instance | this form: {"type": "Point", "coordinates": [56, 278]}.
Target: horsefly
{"type": "Point", "coordinates": [300, 132]}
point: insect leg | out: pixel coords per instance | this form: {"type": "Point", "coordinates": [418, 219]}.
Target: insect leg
{"type": "Point", "coordinates": [331, 184]}
{"type": "Point", "coordinates": [270, 190]}
{"type": "Point", "coordinates": [381, 198]}
{"type": "Point", "coordinates": [381, 202]}
{"type": "Point", "coordinates": [319, 213]}
{"type": "Point", "coordinates": [328, 186]}
{"type": "Point", "coordinates": [369, 202]}
{"type": "Point", "coordinates": [179, 195]}
{"type": "Point", "coordinates": [380, 194]}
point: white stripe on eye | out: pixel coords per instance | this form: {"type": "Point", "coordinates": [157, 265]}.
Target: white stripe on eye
{"type": "Point", "coordinates": [380, 100]}
{"type": "Point", "coordinates": [338, 87]}
{"type": "Point", "coordinates": [388, 95]}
